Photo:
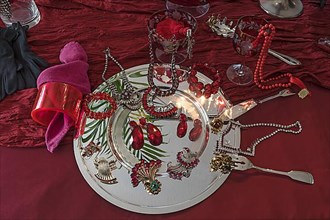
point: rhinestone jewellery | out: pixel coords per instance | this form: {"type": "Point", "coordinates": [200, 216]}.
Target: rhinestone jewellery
{"type": "Point", "coordinates": [197, 87]}
{"type": "Point", "coordinates": [226, 147]}
{"type": "Point", "coordinates": [129, 97]}
{"type": "Point", "coordinates": [153, 90]}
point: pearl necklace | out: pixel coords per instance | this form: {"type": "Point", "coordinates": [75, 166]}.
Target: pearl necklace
{"type": "Point", "coordinates": [220, 146]}
{"type": "Point", "coordinates": [267, 32]}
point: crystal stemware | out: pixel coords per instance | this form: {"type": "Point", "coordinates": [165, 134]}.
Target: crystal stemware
{"type": "Point", "coordinates": [245, 34]}
{"type": "Point", "coordinates": [282, 8]}
{"type": "Point", "coordinates": [196, 8]}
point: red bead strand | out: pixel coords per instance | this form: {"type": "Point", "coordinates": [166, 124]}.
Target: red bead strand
{"type": "Point", "coordinates": [198, 88]}
{"type": "Point", "coordinates": [267, 32]}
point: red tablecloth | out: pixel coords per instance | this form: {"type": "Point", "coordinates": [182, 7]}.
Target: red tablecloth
{"type": "Point", "coordinates": [35, 184]}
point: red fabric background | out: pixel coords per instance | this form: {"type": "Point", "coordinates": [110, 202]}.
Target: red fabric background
{"type": "Point", "coordinates": [35, 184]}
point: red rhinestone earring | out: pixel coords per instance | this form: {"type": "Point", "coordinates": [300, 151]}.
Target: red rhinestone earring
{"type": "Point", "coordinates": [181, 130]}
{"type": "Point", "coordinates": [153, 133]}
{"type": "Point", "coordinates": [196, 131]}
{"type": "Point", "coordinates": [137, 134]}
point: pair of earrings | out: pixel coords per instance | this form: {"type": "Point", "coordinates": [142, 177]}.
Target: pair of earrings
{"type": "Point", "coordinates": [183, 127]}
{"type": "Point", "coordinates": [153, 133]}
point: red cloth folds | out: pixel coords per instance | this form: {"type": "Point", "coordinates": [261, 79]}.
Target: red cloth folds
{"type": "Point", "coordinates": [189, 2]}
{"type": "Point", "coordinates": [121, 25]}
{"type": "Point", "coordinates": [61, 88]}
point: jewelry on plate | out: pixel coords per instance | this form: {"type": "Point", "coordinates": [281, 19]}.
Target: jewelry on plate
{"type": "Point", "coordinates": [197, 87]}
{"type": "Point", "coordinates": [196, 131]}
{"type": "Point", "coordinates": [182, 127]}
{"type": "Point", "coordinates": [153, 90]}
{"type": "Point", "coordinates": [146, 173]}
{"type": "Point", "coordinates": [222, 162]}
{"type": "Point", "coordinates": [104, 170]}
{"type": "Point", "coordinates": [153, 133]}
{"type": "Point", "coordinates": [186, 161]}
{"type": "Point", "coordinates": [90, 149]}
{"type": "Point", "coordinates": [129, 97]}
{"type": "Point", "coordinates": [156, 111]}
{"type": "Point", "coordinates": [96, 97]}
{"type": "Point", "coordinates": [137, 135]}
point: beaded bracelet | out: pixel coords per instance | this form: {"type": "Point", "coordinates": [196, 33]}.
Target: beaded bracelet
{"type": "Point", "coordinates": [95, 97]}
{"type": "Point", "coordinates": [197, 87]}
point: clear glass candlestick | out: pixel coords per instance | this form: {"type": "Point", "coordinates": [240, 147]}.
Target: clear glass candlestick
{"type": "Point", "coordinates": [164, 46]}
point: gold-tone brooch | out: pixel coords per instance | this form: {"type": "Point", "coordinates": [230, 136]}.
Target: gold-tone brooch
{"type": "Point", "coordinates": [104, 170]}
{"type": "Point", "coordinates": [222, 162]}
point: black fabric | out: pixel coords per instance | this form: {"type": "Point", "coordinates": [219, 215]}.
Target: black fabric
{"type": "Point", "coordinates": [19, 66]}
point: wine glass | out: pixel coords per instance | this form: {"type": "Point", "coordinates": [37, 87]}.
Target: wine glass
{"type": "Point", "coordinates": [196, 8]}
{"type": "Point", "coordinates": [282, 8]}
{"type": "Point", "coordinates": [246, 32]}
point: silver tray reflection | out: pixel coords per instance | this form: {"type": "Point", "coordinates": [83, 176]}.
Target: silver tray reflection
{"type": "Point", "coordinates": [113, 138]}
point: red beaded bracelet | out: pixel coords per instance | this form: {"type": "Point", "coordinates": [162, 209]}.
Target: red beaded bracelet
{"type": "Point", "coordinates": [95, 97]}
{"type": "Point", "coordinates": [198, 88]}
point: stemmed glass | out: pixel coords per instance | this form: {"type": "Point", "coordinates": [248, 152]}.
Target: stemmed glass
{"type": "Point", "coordinates": [282, 8]}
{"type": "Point", "coordinates": [196, 8]}
{"type": "Point", "coordinates": [246, 32]}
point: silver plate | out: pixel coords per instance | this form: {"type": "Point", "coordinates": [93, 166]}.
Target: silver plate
{"type": "Point", "coordinates": [175, 195]}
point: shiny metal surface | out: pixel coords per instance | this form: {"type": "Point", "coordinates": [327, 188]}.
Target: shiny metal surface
{"type": "Point", "coordinates": [242, 163]}
{"type": "Point", "coordinates": [282, 8]}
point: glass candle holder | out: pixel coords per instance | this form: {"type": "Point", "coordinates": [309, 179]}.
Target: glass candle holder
{"type": "Point", "coordinates": [177, 40]}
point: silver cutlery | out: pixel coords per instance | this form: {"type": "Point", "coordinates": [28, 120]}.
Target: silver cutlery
{"type": "Point", "coordinates": [221, 28]}
{"type": "Point", "coordinates": [242, 163]}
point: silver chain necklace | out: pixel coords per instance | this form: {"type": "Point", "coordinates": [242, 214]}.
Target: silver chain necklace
{"type": "Point", "coordinates": [226, 147]}
{"type": "Point", "coordinates": [129, 97]}
{"type": "Point", "coordinates": [174, 76]}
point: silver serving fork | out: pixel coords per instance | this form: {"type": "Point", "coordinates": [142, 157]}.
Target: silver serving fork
{"type": "Point", "coordinates": [243, 163]}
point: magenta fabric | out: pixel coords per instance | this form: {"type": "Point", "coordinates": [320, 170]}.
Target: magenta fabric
{"type": "Point", "coordinates": [57, 129]}
{"type": "Point", "coordinates": [35, 184]}
{"type": "Point", "coordinates": [73, 71]}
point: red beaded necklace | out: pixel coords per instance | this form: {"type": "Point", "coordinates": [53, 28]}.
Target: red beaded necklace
{"type": "Point", "coordinates": [198, 88]}
{"type": "Point", "coordinates": [267, 32]}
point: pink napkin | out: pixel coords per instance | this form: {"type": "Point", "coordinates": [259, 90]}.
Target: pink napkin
{"type": "Point", "coordinates": [73, 71]}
